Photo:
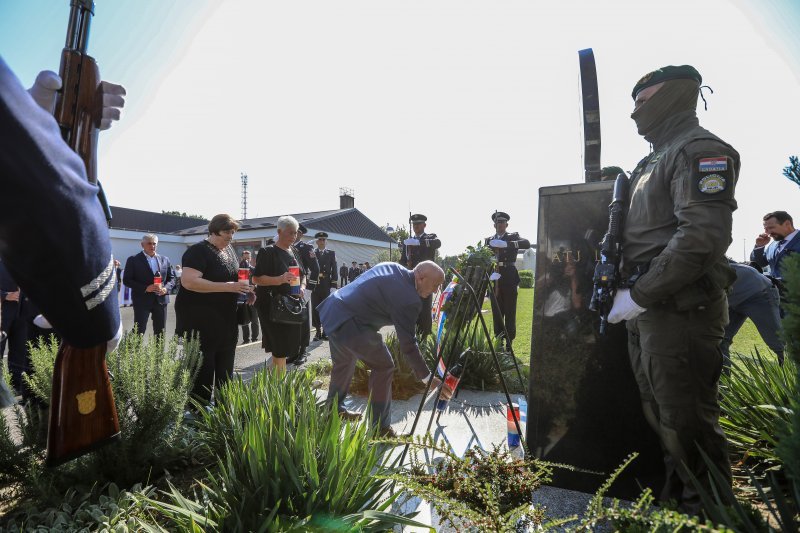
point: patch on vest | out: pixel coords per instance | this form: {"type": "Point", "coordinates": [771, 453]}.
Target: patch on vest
{"type": "Point", "coordinates": [711, 184]}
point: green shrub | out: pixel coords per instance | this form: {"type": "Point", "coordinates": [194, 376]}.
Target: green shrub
{"type": "Point", "coordinates": [756, 399]}
{"type": "Point", "coordinates": [481, 491]}
{"type": "Point", "coordinates": [151, 383]}
{"type": "Point", "coordinates": [526, 279]}
{"type": "Point", "coordinates": [111, 510]}
{"type": "Point", "coordinates": [283, 461]}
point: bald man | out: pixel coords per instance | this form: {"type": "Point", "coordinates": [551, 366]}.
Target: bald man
{"type": "Point", "coordinates": [387, 294]}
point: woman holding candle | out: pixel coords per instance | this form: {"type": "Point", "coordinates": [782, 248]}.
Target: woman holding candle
{"type": "Point", "coordinates": [277, 273]}
{"type": "Point", "coordinates": [206, 303]}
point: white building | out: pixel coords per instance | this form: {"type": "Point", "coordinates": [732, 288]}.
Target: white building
{"type": "Point", "coordinates": [352, 235]}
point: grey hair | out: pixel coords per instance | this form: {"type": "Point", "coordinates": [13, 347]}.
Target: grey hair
{"type": "Point", "coordinates": [428, 268]}
{"type": "Point", "coordinates": [150, 237]}
{"type": "Point", "coordinates": [288, 222]}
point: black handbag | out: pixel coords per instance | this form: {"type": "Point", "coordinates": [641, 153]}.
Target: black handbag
{"type": "Point", "coordinates": [283, 309]}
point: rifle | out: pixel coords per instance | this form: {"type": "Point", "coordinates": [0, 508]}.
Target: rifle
{"type": "Point", "coordinates": [606, 272]}
{"type": "Point", "coordinates": [83, 415]}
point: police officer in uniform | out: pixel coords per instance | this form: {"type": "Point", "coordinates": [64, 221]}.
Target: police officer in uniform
{"type": "Point", "coordinates": [505, 246]}
{"type": "Point", "coordinates": [327, 280]}
{"type": "Point", "coordinates": [419, 247]}
{"type": "Point", "coordinates": [308, 262]}
{"type": "Point", "coordinates": [343, 275]}
{"type": "Point", "coordinates": [676, 232]}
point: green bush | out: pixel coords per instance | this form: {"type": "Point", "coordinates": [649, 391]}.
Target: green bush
{"type": "Point", "coordinates": [481, 491]}
{"type": "Point", "coordinates": [283, 461]}
{"type": "Point", "coordinates": [151, 382]}
{"type": "Point", "coordinates": [755, 399]}
{"type": "Point", "coordinates": [526, 279]}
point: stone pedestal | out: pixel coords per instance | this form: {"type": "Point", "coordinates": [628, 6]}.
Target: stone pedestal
{"type": "Point", "coordinates": [584, 407]}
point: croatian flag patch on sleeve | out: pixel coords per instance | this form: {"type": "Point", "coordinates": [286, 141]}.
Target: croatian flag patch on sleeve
{"type": "Point", "coordinates": [713, 164]}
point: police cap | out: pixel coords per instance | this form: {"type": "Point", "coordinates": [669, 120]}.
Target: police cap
{"type": "Point", "coordinates": [611, 172]}
{"type": "Point", "coordinates": [670, 72]}
{"type": "Point", "coordinates": [321, 235]}
{"type": "Point", "coordinates": [418, 218]}
{"type": "Point", "coordinates": [302, 229]}
{"type": "Point", "coordinates": [499, 216]}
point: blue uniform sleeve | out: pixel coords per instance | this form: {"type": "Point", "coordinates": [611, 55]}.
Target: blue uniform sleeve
{"type": "Point", "coordinates": [53, 234]}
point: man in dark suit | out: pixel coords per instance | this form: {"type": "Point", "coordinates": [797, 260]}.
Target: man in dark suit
{"type": "Point", "coordinates": [419, 247]}
{"type": "Point", "coordinates": [17, 316]}
{"type": "Point", "coordinates": [327, 280]}
{"type": "Point", "coordinates": [149, 297]}
{"type": "Point", "coordinates": [505, 246]}
{"type": "Point", "coordinates": [353, 273]}
{"type": "Point", "coordinates": [387, 294]}
{"type": "Point", "coordinates": [249, 311]}
{"type": "Point", "coordinates": [343, 275]}
{"type": "Point", "coordinates": [780, 227]}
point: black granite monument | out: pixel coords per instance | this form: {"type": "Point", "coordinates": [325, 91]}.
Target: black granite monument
{"type": "Point", "coordinates": [584, 407]}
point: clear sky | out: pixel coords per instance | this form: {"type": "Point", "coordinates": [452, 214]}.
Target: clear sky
{"type": "Point", "coordinates": [449, 108]}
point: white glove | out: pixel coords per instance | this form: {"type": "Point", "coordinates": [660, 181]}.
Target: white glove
{"type": "Point", "coordinates": [41, 322]}
{"type": "Point", "coordinates": [113, 102]}
{"type": "Point", "coordinates": [112, 344]}
{"type": "Point", "coordinates": [411, 242]}
{"type": "Point", "coordinates": [44, 90]}
{"type": "Point", "coordinates": [624, 307]}
{"type": "Point", "coordinates": [498, 243]}
{"type": "Point", "coordinates": [495, 276]}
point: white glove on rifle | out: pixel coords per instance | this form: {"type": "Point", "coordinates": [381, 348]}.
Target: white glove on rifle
{"type": "Point", "coordinates": [48, 83]}
{"type": "Point", "coordinates": [498, 243]}
{"type": "Point", "coordinates": [495, 276]}
{"type": "Point", "coordinates": [624, 307]}
{"type": "Point", "coordinates": [411, 242]}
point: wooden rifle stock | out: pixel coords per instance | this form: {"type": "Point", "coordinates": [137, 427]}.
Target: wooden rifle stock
{"type": "Point", "coordinates": [82, 411]}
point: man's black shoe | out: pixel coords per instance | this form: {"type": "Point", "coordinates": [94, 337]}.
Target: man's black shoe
{"type": "Point", "coordinates": [324, 337]}
{"type": "Point", "coordinates": [316, 338]}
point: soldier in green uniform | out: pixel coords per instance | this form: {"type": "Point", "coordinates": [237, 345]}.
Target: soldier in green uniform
{"type": "Point", "coordinates": [676, 232]}
{"type": "Point", "coordinates": [419, 247]}
{"type": "Point", "coordinates": [327, 280]}
{"type": "Point", "coordinates": [505, 246]}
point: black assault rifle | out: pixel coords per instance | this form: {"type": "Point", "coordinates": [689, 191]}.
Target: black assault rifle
{"type": "Point", "coordinates": [606, 272]}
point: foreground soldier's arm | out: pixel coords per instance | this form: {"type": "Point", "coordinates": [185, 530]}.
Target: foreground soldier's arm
{"type": "Point", "coordinates": [52, 217]}
{"type": "Point", "coordinates": [705, 220]}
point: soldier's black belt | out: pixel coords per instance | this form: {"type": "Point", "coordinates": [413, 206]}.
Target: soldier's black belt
{"type": "Point", "coordinates": [635, 273]}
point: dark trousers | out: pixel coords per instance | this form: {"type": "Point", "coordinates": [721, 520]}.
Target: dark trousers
{"type": "Point", "coordinates": [677, 361]}
{"type": "Point", "coordinates": [317, 297]}
{"type": "Point", "coordinates": [425, 320]}
{"type": "Point", "coordinates": [16, 327]}
{"type": "Point", "coordinates": [252, 315]}
{"type": "Point", "coordinates": [763, 309]}
{"type": "Point", "coordinates": [350, 343]}
{"type": "Point", "coordinates": [505, 311]}
{"type": "Point", "coordinates": [142, 311]}
{"type": "Point", "coordinates": [216, 368]}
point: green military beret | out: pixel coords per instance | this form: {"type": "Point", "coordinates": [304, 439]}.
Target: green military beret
{"type": "Point", "coordinates": [670, 72]}
{"type": "Point", "coordinates": [611, 172]}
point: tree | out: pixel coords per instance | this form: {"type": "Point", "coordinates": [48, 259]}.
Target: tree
{"type": "Point", "coordinates": [793, 170]}
{"type": "Point", "coordinates": [182, 214]}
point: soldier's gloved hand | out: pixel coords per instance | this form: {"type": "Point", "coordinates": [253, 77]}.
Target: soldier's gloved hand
{"type": "Point", "coordinates": [113, 102]}
{"type": "Point", "coordinates": [411, 242]}
{"type": "Point", "coordinates": [624, 307]}
{"type": "Point", "coordinates": [44, 90]}
{"type": "Point", "coordinates": [41, 322]}
{"type": "Point", "coordinates": [495, 276]}
{"type": "Point", "coordinates": [498, 243]}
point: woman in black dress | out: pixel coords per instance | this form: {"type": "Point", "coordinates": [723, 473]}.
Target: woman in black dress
{"type": "Point", "coordinates": [206, 303]}
{"type": "Point", "coordinates": [272, 274]}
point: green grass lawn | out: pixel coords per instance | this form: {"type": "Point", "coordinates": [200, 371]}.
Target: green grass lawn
{"type": "Point", "coordinates": [745, 342]}
{"type": "Point", "coordinates": [522, 343]}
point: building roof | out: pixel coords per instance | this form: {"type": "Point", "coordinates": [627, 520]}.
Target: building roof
{"type": "Point", "coordinates": [350, 222]}
{"type": "Point", "coordinates": [148, 221]}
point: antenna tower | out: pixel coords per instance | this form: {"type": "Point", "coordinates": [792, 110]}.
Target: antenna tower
{"type": "Point", "coordinates": [244, 196]}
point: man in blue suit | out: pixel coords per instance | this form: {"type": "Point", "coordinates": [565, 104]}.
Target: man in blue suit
{"type": "Point", "coordinates": [387, 294]}
{"type": "Point", "coordinates": [780, 227]}
{"type": "Point", "coordinates": [149, 297]}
